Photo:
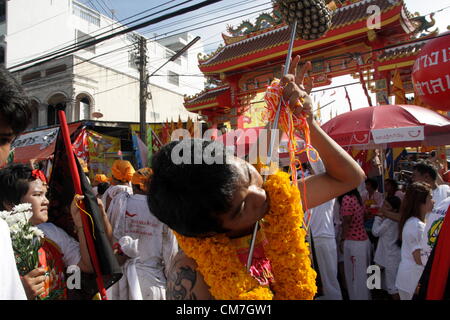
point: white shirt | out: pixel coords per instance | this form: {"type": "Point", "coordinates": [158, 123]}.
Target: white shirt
{"type": "Point", "coordinates": [441, 193]}
{"type": "Point", "coordinates": [10, 284]}
{"type": "Point", "coordinates": [70, 248]}
{"type": "Point", "coordinates": [388, 252]}
{"type": "Point", "coordinates": [409, 272]}
{"type": "Point", "coordinates": [432, 228]}
{"type": "Point", "coordinates": [322, 219]}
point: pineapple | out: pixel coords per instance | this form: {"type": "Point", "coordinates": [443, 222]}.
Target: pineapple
{"type": "Point", "coordinates": [313, 17]}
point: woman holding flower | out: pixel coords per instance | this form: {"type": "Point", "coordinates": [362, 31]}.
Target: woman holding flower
{"type": "Point", "coordinates": [19, 184]}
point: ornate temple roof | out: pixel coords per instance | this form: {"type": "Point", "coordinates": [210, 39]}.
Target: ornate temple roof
{"type": "Point", "coordinates": [277, 36]}
{"type": "Point", "coordinates": [206, 97]}
{"type": "Point", "coordinates": [402, 51]}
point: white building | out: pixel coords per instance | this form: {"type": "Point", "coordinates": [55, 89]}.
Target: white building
{"type": "Point", "coordinates": [92, 79]}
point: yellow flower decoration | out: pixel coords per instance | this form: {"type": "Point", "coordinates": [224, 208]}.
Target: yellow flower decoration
{"type": "Point", "coordinates": [286, 249]}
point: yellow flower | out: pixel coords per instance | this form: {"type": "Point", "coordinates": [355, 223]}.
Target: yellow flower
{"type": "Point", "coordinates": [286, 249]}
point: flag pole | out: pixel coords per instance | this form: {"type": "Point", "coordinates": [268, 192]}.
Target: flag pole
{"type": "Point", "coordinates": [77, 186]}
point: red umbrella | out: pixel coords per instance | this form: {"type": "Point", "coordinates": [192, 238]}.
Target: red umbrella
{"type": "Point", "coordinates": [390, 126]}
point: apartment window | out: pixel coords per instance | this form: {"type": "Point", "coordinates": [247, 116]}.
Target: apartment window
{"type": "Point", "coordinates": [54, 70]}
{"type": "Point", "coordinates": [82, 37]}
{"type": "Point", "coordinates": [86, 14]}
{"type": "Point", "coordinates": [2, 55]}
{"type": "Point", "coordinates": [31, 76]}
{"type": "Point", "coordinates": [174, 78]}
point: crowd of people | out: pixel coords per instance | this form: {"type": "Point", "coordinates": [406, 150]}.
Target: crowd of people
{"type": "Point", "coordinates": [355, 223]}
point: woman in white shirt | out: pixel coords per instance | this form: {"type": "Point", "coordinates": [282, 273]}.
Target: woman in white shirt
{"type": "Point", "coordinates": [417, 202]}
{"type": "Point", "coordinates": [20, 184]}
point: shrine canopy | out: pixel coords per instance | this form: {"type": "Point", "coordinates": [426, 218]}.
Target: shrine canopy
{"type": "Point", "coordinates": [38, 145]}
{"type": "Point", "coordinates": [389, 126]}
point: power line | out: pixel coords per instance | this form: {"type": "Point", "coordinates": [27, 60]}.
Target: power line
{"type": "Point", "coordinates": [118, 49]}
{"type": "Point", "coordinates": [133, 44]}
{"type": "Point", "coordinates": [87, 42]}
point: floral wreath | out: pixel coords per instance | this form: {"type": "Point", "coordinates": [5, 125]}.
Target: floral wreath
{"type": "Point", "coordinates": [286, 249]}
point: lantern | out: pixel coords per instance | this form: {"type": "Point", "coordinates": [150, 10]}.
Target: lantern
{"type": "Point", "coordinates": [431, 73]}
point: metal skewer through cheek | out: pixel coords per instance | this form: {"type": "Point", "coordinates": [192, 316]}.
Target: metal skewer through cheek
{"type": "Point", "coordinates": [272, 136]}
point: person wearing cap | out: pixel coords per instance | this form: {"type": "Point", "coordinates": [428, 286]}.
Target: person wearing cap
{"type": "Point", "coordinates": [145, 246]}
{"type": "Point", "coordinates": [122, 171]}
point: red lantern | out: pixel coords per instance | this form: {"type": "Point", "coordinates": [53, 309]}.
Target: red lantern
{"type": "Point", "coordinates": [431, 73]}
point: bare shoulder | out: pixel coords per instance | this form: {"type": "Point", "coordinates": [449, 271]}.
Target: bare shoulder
{"type": "Point", "coordinates": [184, 282]}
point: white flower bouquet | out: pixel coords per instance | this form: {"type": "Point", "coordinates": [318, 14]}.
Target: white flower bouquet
{"type": "Point", "coordinates": [25, 238]}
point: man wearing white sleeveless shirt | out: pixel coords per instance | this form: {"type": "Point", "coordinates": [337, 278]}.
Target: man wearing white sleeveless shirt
{"type": "Point", "coordinates": [323, 232]}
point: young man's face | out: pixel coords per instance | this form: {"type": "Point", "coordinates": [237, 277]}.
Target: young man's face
{"type": "Point", "coordinates": [250, 202]}
{"type": "Point", "coordinates": [6, 138]}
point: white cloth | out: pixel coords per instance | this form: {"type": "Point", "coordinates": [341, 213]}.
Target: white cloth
{"type": "Point", "coordinates": [356, 261]}
{"type": "Point", "coordinates": [113, 191]}
{"type": "Point", "coordinates": [70, 248]}
{"type": "Point", "coordinates": [387, 253]}
{"type": "Point", "coordinates": [405, 295]}
{"type": "Point", "coordinates": [409, 272]}
{"type": "Point", "coordinates": [10, 285]}
{"type": "Point", "coordinates": [95, 191]}
{"type": "Point", "coordinates": [156, 246]}
{"type": "Point", "coordinates": [322, 219]}
{"type": "Point", "coordinates": [441, 193]}
{"type": "Point", "coordinates": [326, 254]}
{"type": "Point", "coordinates": [128, 287]}
{"type": "Point", "coordinates": [432, 228]}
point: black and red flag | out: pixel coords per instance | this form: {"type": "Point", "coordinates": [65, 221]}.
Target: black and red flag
{"type": "Point", "coordinates": [68, 179]}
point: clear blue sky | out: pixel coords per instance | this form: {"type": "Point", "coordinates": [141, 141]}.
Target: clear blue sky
{"type": "Point", "coordinates": [238, 10]}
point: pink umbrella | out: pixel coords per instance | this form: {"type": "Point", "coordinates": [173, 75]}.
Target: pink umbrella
{"type": "Point", "coordinates": [390, 126]}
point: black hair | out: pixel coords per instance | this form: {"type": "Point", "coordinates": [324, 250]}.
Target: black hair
{"type": "Point", "coordinates": [14, 184]}
{"type": "Point", "coordinates": [14, 103]}
{"type": "Point", "coordinates": [353, 192]}
{"type": "Point", "coordinates": [373, 183]}
{"type": "Point", "coordinates": [189, 197]}
{"type": "Point", "coordinates": [426, 168]}
{"type": "Point", "coordinates": [102, 187]}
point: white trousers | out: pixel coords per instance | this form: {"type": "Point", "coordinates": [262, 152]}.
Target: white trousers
{"type": "Point", "coordinates": [356, 261]}
{"type": "Point", "coordinates": [405, 295]}
{"type": "Point", "coordinates": [326, 254]}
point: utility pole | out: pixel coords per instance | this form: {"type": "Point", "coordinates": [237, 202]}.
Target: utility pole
{"type": "Point", "coordinates": [143, 85]}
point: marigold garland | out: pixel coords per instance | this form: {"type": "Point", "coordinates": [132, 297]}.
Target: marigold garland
{"type": "Point", "coordinates": [287, 250]}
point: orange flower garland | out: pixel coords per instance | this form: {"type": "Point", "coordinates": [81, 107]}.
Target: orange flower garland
{"type": "Point", "coordinates": [287, 250]}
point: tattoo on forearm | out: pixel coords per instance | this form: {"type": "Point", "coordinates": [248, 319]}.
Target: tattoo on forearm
{"type": "Point", "coordinates": [180, 284]}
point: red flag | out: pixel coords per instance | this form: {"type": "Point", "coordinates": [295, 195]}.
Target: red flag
{"type": "Point", "coordinates": [348, 99]}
